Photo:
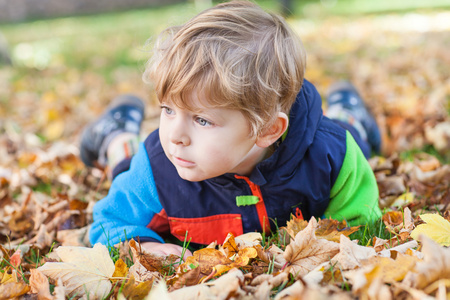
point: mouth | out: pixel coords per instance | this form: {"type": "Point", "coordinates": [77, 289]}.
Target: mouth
{"type": "Point", "coordinates": [182, 162]}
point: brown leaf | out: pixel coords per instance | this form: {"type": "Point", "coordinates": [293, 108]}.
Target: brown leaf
{"type": "Point", "coordinates": [294, 226]}
{"type": "Point", "coordinates": [152, 262]}
{"type": "Point", "coordinates": [331, 230]}
{"type": "Point", "coordinates": [39, 285]}
{"type": "Point", "coordinates": [140, 273]}
{"type": "Point", "coordinates": [306, 252]}
{"type": "Point", "coordinates": [205, 260]}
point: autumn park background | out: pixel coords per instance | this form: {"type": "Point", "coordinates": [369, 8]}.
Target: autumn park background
{"type": "Point", "coordinates": [59, 73]}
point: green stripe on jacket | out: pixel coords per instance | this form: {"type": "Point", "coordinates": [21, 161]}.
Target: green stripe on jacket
{"type": "Point", "coordinates": [354, 196]}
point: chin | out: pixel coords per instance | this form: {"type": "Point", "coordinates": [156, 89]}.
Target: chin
{"type": "Point", "coordinates": [191, 177]}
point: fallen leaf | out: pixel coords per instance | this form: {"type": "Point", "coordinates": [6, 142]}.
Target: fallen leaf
{"type": "Point", "coordinates": [85, 272]}
{"type": "Point", "coordinates": [141, 273]}
{"type": "Point", "coordinates": [351, 254]}
{"type": "Point", "coordinates": [16, 259]}
{"type": "Point", "coordinates": [133, 291]}
{"type": "Point", "coordinates": [307, 251]}
{"type": "Point", "coordinates": [243, 256]}
{"type": "Point", "coordinates": [391, 270]}
{"type": "Point", "coordinates": [436, 228]}
{"type": "Point", "coordinates": [12, 290]}
{"type": "Point", "coordinates": [435, 265]}
{"type": "Point", "coordinates": [120, 270]}
{"type": "Point", "coordinates": [39, 285]}
{"type": "Point", "coordinates": [151, 261]}
{"type": "Point", "coordinates": [331, 230]}
{"type": "Point", "coordinates": [249, 239]}
{"type": "Point", "coordinates": [227, 286]}
{"type": "Point", "coordinates": [294, 226]}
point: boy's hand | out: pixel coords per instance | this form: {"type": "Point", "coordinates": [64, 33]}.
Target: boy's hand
{"type": "Point", "coordinates": [165, 249]}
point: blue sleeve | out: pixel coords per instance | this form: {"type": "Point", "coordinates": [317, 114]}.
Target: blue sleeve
{"type": "Point", "coordinates": [130, 205]}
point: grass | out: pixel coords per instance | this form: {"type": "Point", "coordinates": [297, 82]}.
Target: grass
{"type": "Point", "coordinates": [106, 41]}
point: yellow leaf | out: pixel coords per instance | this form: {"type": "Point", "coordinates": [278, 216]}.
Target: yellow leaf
{"type": "Point", "coordinates": [404, 199]}
{"type": "Point", "coordinates": [82, 270]}
{"type": "Point", "coordinates": [134, 291]}
{"type": "Point", "coordinates": [11, 290]}
{"type": "Point", "coordinates": [121, 270]}
{"type": "Point", "coordinates": [436, 228]}
{"type": "Point", "coordinates": [393, 270]}
{"type": "Point", "coordinates": [244, 256]}
{"type": "Point", "coordinates": [54, 129]}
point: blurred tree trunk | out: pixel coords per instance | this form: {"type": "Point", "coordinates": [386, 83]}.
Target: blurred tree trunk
{"type": "Point", "coordinates": [5, 59]}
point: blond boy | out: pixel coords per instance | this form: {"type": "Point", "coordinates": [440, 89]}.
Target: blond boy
{"type": "Point", "coordinates": [242, 144]}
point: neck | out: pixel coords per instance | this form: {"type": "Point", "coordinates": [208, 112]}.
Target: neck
{"type": "Point", "coordinates": [255, 156]}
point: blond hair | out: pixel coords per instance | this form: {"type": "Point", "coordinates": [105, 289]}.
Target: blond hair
{"type": "Point", "coordinates": [236, 56]}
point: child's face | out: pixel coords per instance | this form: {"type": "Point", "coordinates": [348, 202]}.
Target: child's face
{"type": "Point", "coordinates": [207, 144]}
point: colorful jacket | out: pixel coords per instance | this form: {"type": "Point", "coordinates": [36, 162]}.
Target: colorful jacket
{"type": "Point", "coordinates": [316, 170]}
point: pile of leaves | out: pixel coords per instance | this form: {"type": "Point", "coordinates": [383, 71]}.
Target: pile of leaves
{"type": "Point", "coordinates": [319, 261]}
{"type": "Point", "coordinates": [45, 246]}
{"type": "Point", "coordinates": [47, 195]}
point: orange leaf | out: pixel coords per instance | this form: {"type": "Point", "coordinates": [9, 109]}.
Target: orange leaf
{"type": "Point", "coordinates": [16, 259]}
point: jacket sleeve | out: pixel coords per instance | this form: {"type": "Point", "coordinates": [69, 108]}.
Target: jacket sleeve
{"type": "Point", "coordinates": [129, 207]}
{"type": "Point", "coordinates": [354, 196]}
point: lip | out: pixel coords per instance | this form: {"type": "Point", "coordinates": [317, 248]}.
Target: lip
{"type": "Point", "coordinates": [183, 163]}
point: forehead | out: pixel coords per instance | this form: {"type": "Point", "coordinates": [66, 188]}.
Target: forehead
{"type": "Point", "coordinates": [195, 101]}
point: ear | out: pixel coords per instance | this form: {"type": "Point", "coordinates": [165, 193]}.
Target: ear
{"type": "Point", "coordinates": [271, 134]}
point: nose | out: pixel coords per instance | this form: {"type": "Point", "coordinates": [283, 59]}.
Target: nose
{"type": "Point", "coordinates": [179, 134]}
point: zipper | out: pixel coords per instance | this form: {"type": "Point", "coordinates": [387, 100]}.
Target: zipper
{"type": "Point", "coordinates": [260, 206]}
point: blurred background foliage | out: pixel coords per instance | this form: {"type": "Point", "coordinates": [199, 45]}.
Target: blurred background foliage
{"type": "Point", "coordinates": [65, 70]}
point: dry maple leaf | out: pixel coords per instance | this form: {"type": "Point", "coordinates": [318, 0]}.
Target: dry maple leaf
{"type": "Point", "coordinates": [435, 265]}
{"type": "Point", "coordinates": [11, 290]}
{"type": "Point", "coordinates": [85, 272]}
{"type": "Point", "coordinates": [351, 254]}
{"type": "Point", "coordinates": [331, 230]}
{"type": "Point", "coordinates": [134, 291]}
{"type": "Point", "coordinates": [391, 270]}
{"type": "Point", "coordinates": [436, 228]}
{"type": "Point", "coordinates": [151, 261]}
{"type": "Point", "coordinates": [306, 251]}
{"type": "Point", "coordinates": [39, 285]}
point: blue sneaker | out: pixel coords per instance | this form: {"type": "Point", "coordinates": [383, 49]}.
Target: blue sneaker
{"type": "Point", "coordinates": [124, 114]}
{"type": "Point", "coordinates": [345, 104]}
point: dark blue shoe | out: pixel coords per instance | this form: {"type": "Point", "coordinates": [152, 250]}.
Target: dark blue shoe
{"type": "Point", "coordinates": [343, 99]}
{"type": "Point", "coordinates": [124, 114]}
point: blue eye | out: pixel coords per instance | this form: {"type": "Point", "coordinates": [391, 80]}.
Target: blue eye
{"type": "Point", "coordinates": [167, 110]}
{"type": "Point", "coordinates": [203, 122]}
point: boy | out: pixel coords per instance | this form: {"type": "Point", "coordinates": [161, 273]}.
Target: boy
{"type": "Point", "coordinates": [242, 143]}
